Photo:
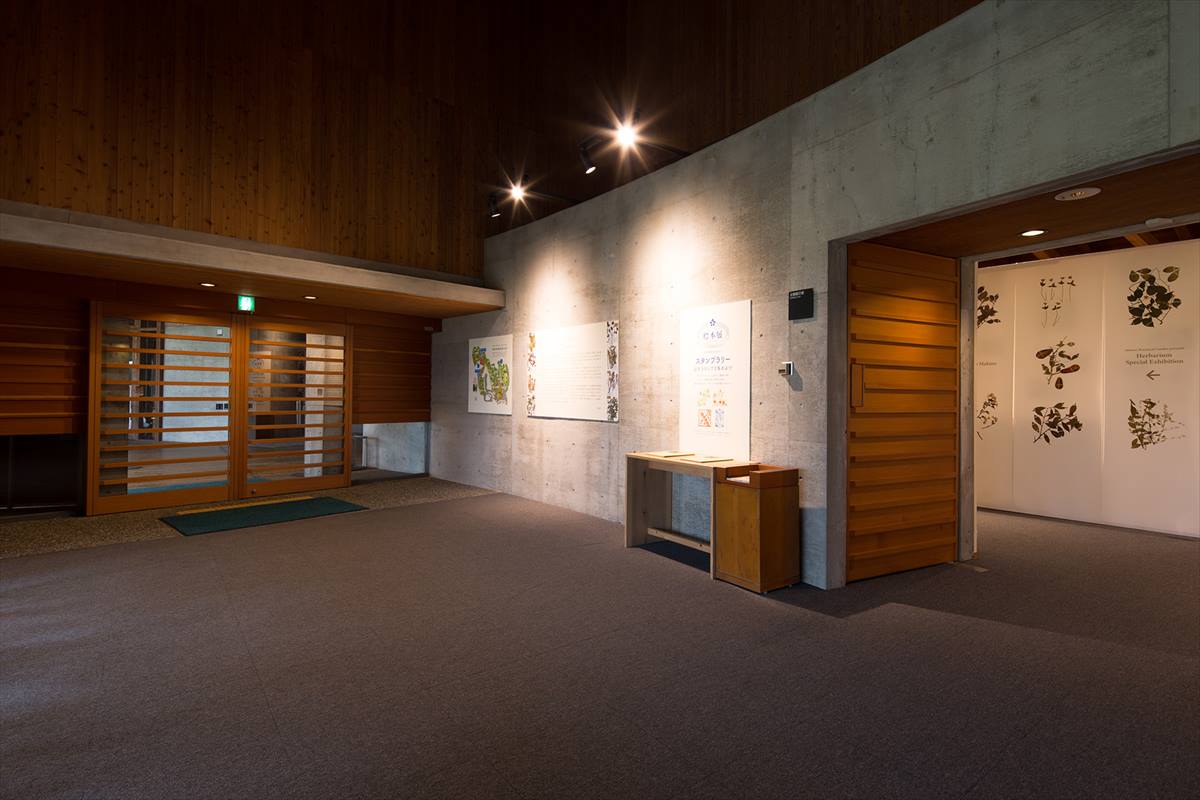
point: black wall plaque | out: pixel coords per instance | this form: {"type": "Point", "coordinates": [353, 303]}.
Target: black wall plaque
{"type": "Point", "coordinates": [801, 304]}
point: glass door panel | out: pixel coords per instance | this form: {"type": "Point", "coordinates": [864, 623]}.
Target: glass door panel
{"type": "Point", "coordinates": [297, 427]}
{"type": "Point", "coordinates": [161, 402]}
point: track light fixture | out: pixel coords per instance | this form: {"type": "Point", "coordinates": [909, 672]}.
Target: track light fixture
{"type": "Point", "coordinates": [589, 166]}
{"type": "Point", "coordinates": [627, 136]}
{"type": "Point", "coordinates": [493, 209]}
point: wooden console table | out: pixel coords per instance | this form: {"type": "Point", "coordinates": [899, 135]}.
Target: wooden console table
{"type": "Point", "coordinates": [733, 512]}
{"type": "Point", "coordinates": [648, 498]}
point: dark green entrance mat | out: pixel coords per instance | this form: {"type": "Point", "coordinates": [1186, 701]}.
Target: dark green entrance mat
{"type": "Point", "coordinates": [248, 516]}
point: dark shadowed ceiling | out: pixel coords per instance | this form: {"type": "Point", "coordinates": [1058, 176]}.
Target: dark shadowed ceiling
{"type": "Point", "coordinates": [376, 130]}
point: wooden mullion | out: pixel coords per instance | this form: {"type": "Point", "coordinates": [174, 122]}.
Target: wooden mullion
{"type": "Point", "coordinates": [156, 478]}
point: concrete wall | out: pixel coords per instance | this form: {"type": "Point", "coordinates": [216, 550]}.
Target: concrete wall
{"type": "Point", "coordinates": [1011, 94]}
{"type": "Point", "coordinates": [397, 446]}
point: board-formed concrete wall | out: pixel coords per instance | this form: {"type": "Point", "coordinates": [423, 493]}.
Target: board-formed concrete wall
{"type": "Point", "coordinates": [1012, 94]}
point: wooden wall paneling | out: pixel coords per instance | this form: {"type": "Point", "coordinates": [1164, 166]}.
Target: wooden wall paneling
{"type": "Point", "coordinates": [375, 129]}
{"type": "Point", "coordinates": [391, 374]}
{"type": "Point", "coordinates": [43, 363]}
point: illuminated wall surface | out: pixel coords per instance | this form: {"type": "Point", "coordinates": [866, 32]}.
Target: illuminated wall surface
{"type": "Point", "coordinates": [1003, 97]}
{"type": "Point", "coordinates": [1087, 388]}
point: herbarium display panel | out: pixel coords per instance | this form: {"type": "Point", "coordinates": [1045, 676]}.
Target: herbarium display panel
{"type": "Point", "coordinates": [994, 378]}
{"type": "Point", "coordinates": [1057, 388]}
{"type": "Point", "coordinates": [1087, 388]}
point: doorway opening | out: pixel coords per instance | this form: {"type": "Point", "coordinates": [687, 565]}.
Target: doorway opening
{"type": "Point", "coordinates": [889, 474]}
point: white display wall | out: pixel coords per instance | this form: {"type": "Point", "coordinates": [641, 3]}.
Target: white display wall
{"type": "Point", "coordinates": [1087, 388]}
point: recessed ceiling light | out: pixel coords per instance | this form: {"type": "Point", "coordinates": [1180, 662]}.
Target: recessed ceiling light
{"type": "Point", "coordinates": [310, 297]}
{"type": "Point", "coordinates": [207, 285]}
{"type": "Point", "coordinates": [1033, 232]}
{"type": "Point", "coordinates": [1081, 193]}
{"type": "Point", "coordinates": [517, 191]}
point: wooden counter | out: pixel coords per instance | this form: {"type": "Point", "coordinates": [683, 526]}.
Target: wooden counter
{"type": "Point", "coordinates": [648, 496]}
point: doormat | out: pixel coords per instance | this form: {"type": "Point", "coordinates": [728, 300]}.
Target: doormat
{"type": "Point", "coordinates": [249, 516]}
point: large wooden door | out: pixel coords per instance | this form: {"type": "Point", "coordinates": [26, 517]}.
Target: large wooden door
{"type": "Point", "coordinates": [902, 482]}
{"type": "Point", "coordinates": [298, 402]}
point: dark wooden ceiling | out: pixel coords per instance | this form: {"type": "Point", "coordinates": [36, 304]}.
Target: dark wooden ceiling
{"type": "Point", "coordinates": [1169, 189]}
{"type": "Point", "coordinates": [376, 129]}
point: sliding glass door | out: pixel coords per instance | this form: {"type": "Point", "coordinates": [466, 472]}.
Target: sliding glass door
{"type": "Point", "coordinates": [298, 431]}
{"type": "Point", "coordinates": [192, 408]}
{"type": "Point", "coordinates": [160, 421]}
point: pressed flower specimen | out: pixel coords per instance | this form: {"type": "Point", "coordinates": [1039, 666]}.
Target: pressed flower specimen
{"type": "Point", "coordinates": [1054, 421]}
{"type": "Point", "coordinates": [985, 308]}
{"type": "Point", "coordinates": [1150, 298]}
{"type": "Point", "coordinates": [1151, 423]}
{"type": "Point", "coordinates": [1056, 292]}
{"type": "Point", "coordinates": [987, 416]}
{"type": "Point", "coordinates": [1059, 361]}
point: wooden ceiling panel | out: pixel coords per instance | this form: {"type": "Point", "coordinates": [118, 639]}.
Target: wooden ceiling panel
{"type": "Point", "coordinates": [1169, 189]}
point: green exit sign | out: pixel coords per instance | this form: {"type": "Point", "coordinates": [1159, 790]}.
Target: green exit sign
{"type": "Point", "coordinates": [245, 303]}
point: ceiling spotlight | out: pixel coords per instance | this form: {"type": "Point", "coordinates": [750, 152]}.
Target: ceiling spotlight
{"type": "Point", "coordinates": [207, 285]}
{"type": "Point", "coordinates": [1081, 193]}
{"type": "Point", "coordinates": [588, 165]}
{"type": "Point", "coordinates": [517, 191]}
{"type": "Point", "coordinates": [626, 135]}
{"type": "Point", "coordinates": [1033, 232]}
{"type": "Point", "coordinates": [310, 297]}
{"type": "Point", "coordinates": [493, 209]}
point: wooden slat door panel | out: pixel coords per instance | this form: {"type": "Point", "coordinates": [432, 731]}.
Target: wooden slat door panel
{"type": "Point", "coordinates": [297, 390]}
{"type": "Point", "coordinates": [902, 479]}
{"type": "Point", "coordinates": [160, 421]}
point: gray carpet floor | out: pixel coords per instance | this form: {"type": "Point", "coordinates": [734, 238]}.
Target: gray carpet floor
{"type": "Point", "coordinates": [495, 647]}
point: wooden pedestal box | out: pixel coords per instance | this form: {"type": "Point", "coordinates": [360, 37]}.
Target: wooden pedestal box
{"type": "Point", "coordinates": [756, 542]}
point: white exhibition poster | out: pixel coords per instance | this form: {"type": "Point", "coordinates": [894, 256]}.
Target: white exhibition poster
{"type": "Point", "coordinates": [714, 380]}
{"type": "Point", "coordinates": [1090, 381]}
{"type": "Point", "coordinates": [1152, 388]}
{"type": "Point", "coordinates": [490, 378]}
{"type": "Point", "coordinates": [574, 372]}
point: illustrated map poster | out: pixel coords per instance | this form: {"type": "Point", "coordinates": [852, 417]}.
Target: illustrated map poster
{"type": "Point", "coordinates": [1087, 387]}
{"type": "Point", "coordinates": [574, 372]}
{"type": "Point", "coordinates": [714, 380]}
{"type": "Point", "coordinates": [490, 378]}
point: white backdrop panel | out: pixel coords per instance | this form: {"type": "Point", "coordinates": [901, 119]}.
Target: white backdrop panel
{"type": "Point", "coordinates": [994, 309]}
{"type": "Point", "coordinates": [1056, 341]}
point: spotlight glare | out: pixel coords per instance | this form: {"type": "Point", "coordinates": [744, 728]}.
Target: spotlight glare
{"type": "Point", "coordinates": [207, 285]}
{"type": "Point", "coordinates": [517, 191]}
{"type": "Point", "coordinates": [1033, 232]}
{"type": "Point", "coordinates": [626, 135]}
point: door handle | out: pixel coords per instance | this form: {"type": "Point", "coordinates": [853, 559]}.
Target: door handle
{"type": "Point", "coordinates": [856, 385]}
